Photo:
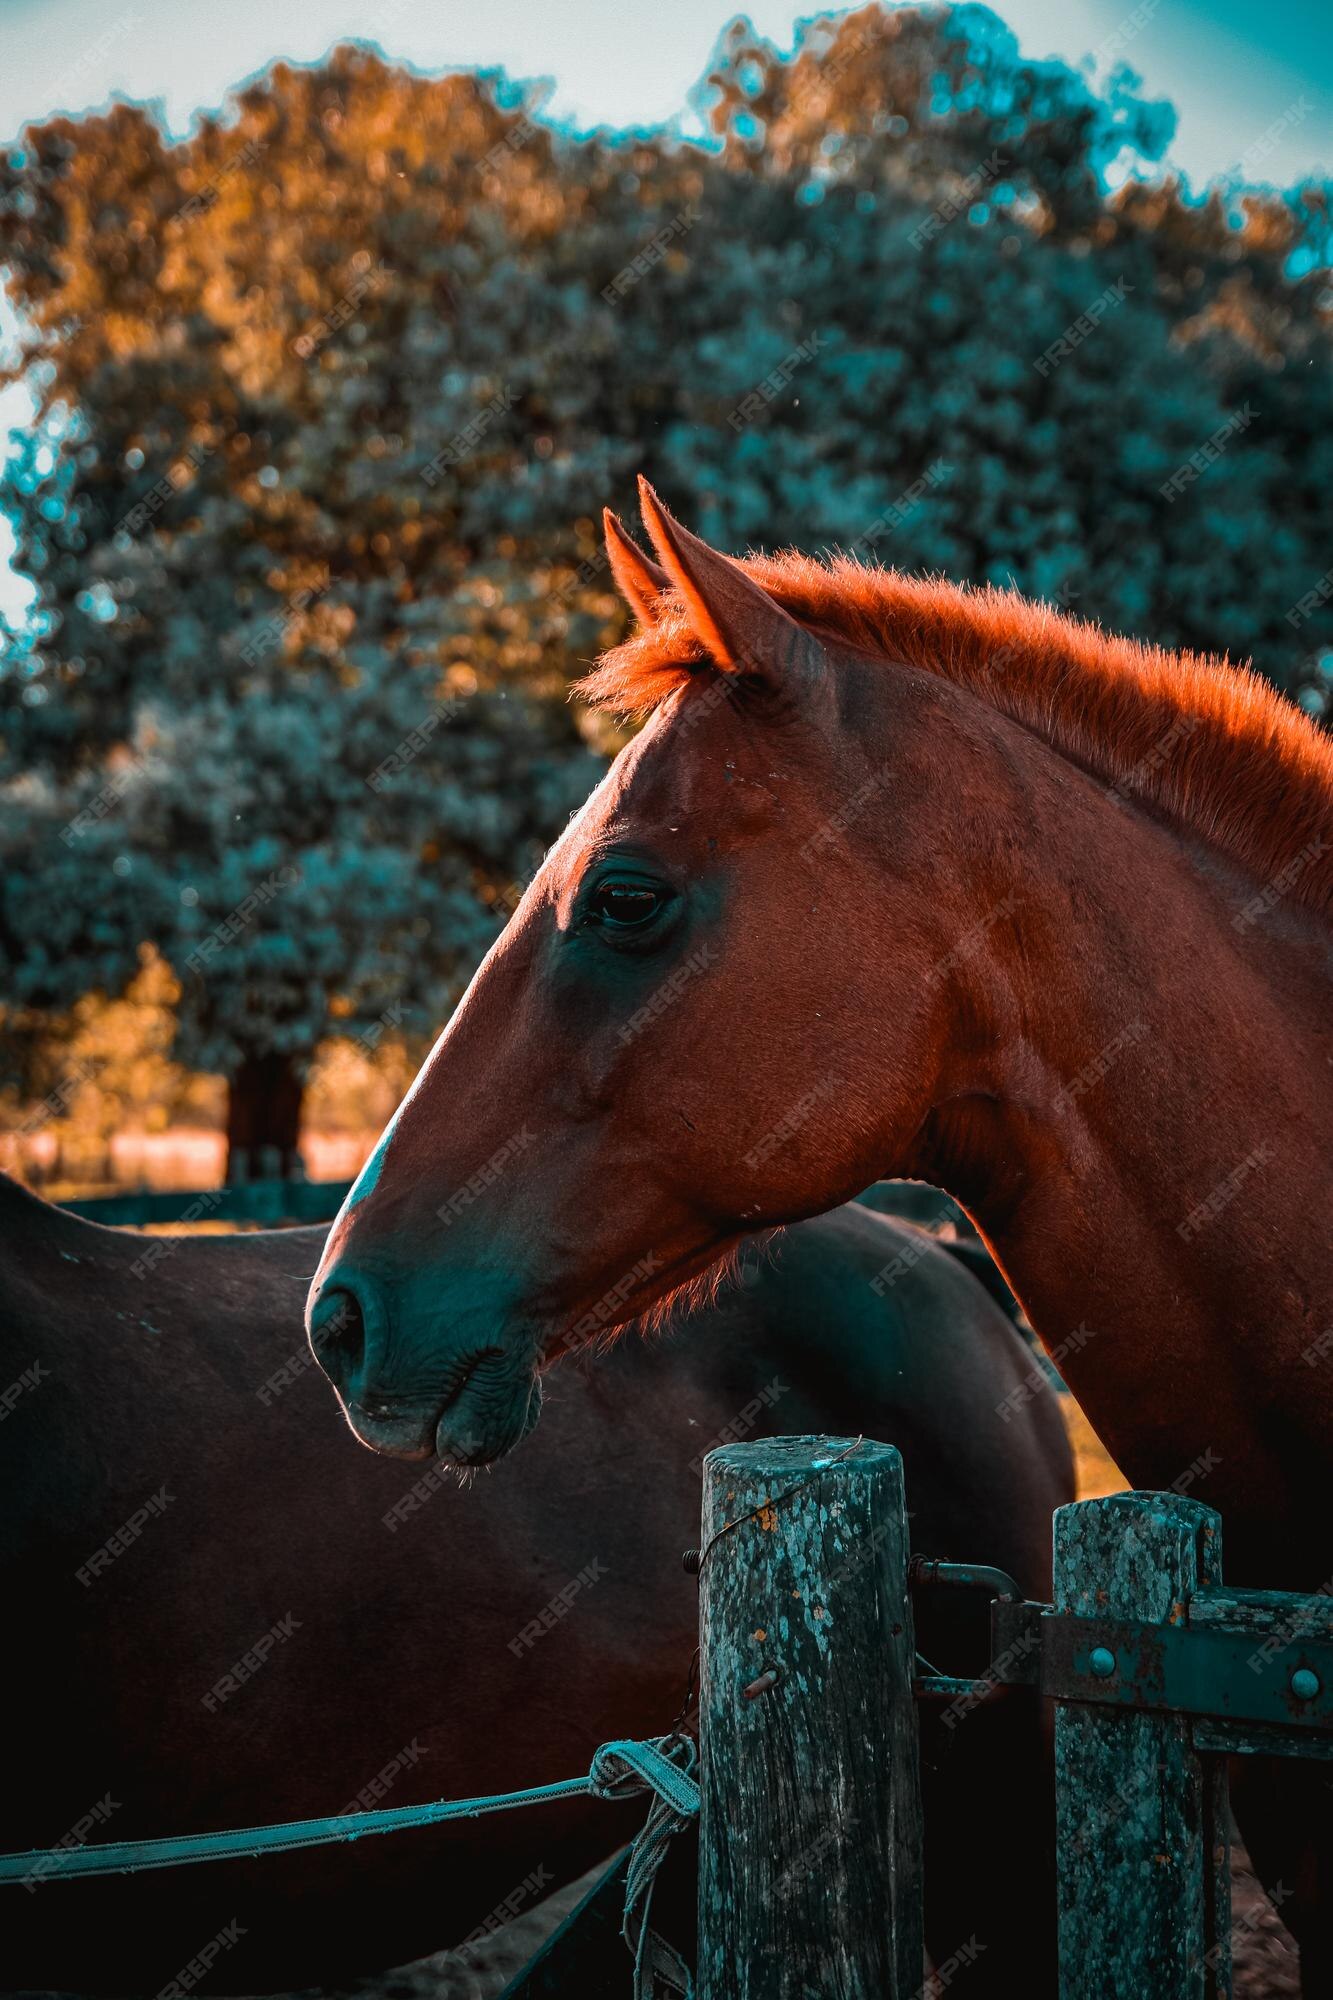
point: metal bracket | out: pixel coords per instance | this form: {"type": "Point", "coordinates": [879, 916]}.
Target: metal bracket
{"type": "Point", "coordinates": [924, 1570]}
{"type": "Point", "coordinates": [1231, 1681]}
{"type": "Point", "coordinates": [1012, 1645]}
{"type": "Point", "coordinates": [1199, 1670]}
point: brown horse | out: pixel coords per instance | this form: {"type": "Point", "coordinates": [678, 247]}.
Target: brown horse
{"type": "Point", "coordinates": [219, 1617]}
{"type": "Point", "coordinates": [902, 878]}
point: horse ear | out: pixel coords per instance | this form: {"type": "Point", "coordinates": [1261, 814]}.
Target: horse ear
{"type": "Point", "coordinates": [638, 578]}
{"type": "Point", "coordinates": [744, 629]}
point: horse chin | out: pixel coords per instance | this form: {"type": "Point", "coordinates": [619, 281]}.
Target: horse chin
{"type": "Point", "coordinates": [488, 1418]}
{"type": "Point", "coordinates": [408, 1434]}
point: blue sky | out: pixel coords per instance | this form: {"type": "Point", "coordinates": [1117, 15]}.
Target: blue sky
{"type": "Point", "coordinates": [1232, 68]}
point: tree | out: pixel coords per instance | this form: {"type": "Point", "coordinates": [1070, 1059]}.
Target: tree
{"type": "Point", "coordinates": [279, 712]}
{"type": "Point", "coordinates": [331, 396]}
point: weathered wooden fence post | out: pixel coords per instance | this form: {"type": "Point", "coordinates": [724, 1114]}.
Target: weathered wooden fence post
{"type": "Point", "coordinates": [810, 1823]}
{"type": "Point", "coordinates": [1141, 1822]}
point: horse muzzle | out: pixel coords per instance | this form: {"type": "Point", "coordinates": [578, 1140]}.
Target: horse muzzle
{"type": "Point", "coordinates": [471, 1408]}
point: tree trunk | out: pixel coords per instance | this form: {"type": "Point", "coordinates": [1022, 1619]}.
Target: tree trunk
{"type": "Point", "coordinates": [264, 1119]}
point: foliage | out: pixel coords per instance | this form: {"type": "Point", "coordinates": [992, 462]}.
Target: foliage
{"type": "Point", "coordinates": [105, 1064]}
{"type": "Point", "coordinates": [368, 358]}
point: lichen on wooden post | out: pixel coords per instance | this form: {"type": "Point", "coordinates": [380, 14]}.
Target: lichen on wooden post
{"type": "Point", "coordinates": [1141, 1820]}
{"type": "Point", "coordinates": [810, 1823]}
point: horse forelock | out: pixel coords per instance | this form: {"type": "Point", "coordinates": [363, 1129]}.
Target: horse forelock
{"type": "Point", "coordinates": [1209, 744]}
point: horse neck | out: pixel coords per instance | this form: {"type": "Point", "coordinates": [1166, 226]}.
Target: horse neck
{"type": "Point", "coordinates": [1140, 1133]}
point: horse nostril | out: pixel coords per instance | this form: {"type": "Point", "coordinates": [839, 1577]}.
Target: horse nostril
{"type": "Point", "coordinates": [338, 1334]}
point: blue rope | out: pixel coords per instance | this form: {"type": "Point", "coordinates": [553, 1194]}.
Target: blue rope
{"type": "Point", "coordinates": [127, 1857]}
{"type": "Point", "coordinates": [665, 1766]}
{"type": "Point", "coordinates": [675, 1785]}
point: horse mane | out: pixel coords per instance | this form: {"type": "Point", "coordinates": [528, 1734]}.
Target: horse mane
{"type": "Point", "coordinates": [1208, 744]}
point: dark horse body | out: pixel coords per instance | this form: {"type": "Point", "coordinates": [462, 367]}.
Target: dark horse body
{"type": "Point", "coordinates": [422, 1646]}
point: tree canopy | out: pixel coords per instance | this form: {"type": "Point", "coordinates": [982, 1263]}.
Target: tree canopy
{"type": "Point", "coordinates": [332, 392]}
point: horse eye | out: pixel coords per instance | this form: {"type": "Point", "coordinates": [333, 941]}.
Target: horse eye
{"type": "Point", "coordinates": [625, 905]}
